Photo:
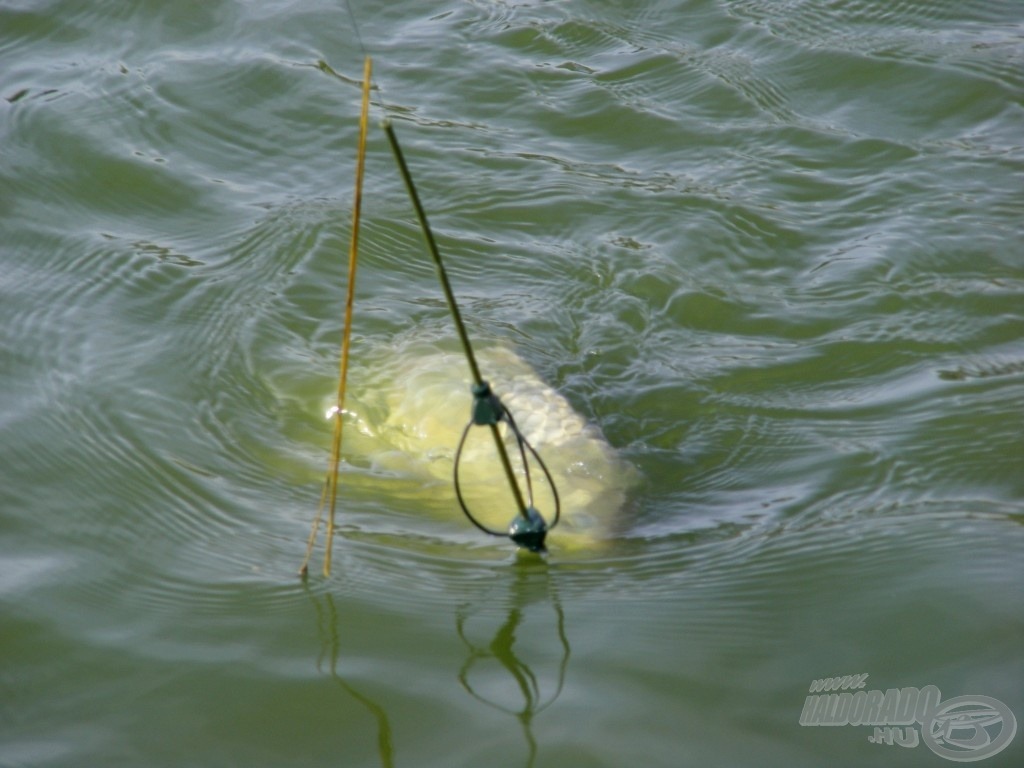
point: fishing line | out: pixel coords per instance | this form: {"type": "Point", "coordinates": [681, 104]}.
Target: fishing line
{"type": "Point", "coordinates": [366, 54]}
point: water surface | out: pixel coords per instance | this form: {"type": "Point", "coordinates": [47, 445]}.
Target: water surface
{"type": "Point", "coordinates": [771, 250]}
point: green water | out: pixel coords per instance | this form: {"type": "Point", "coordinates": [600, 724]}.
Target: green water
{"type": "Point", "coordinates": [773, 250]}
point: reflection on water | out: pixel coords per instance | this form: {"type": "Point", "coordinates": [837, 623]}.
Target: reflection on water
{"type": "Point", "coordinates": [520, 692]}
{"type": "Point", "coordinates": [330, 651]}
{"type": "Point", "coordinates": [516, 644]}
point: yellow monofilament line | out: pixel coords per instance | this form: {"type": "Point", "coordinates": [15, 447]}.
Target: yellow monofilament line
{"type": "Point", "coordinates": [331, 483]}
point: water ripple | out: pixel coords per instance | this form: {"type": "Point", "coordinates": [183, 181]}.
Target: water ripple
{"type": "Point", "coordinates": [770, 250]}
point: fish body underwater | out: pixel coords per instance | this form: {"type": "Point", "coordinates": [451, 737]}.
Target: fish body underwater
{"type": "Point", "coordinates": [409, 404]}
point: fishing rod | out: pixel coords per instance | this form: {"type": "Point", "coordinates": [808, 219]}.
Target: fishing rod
{"type": "Point", "coordinates": [528, 529]}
